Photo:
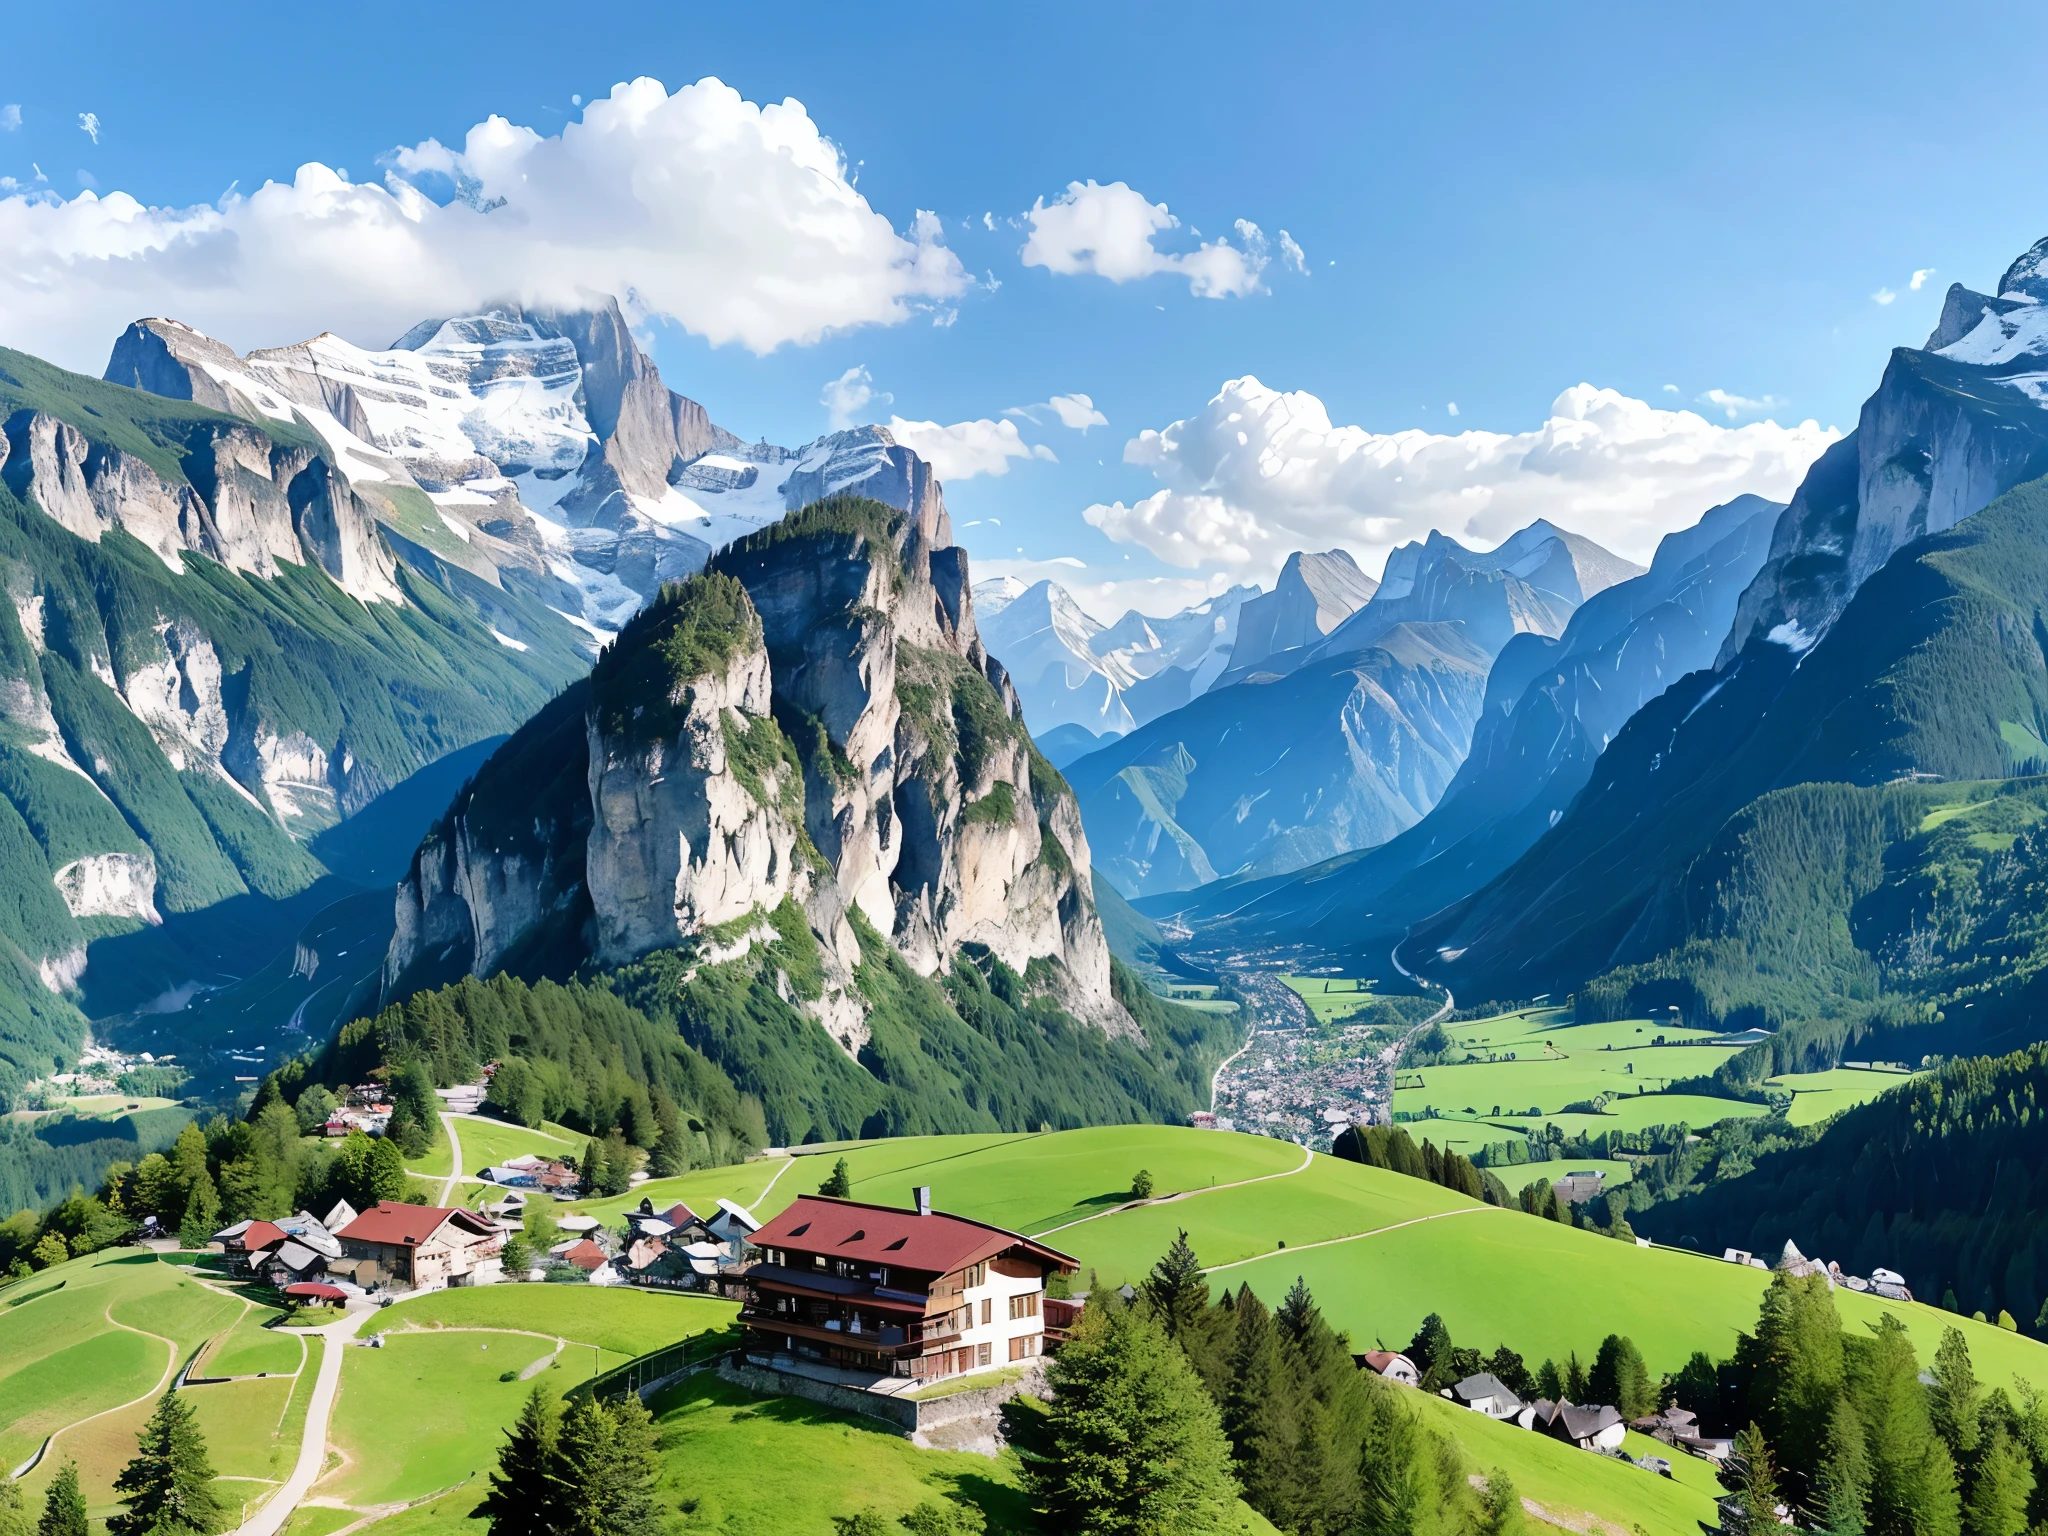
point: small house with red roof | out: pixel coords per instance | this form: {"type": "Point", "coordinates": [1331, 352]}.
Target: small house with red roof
{"type": "Point", "coordinates": [421, 1246]}
{"type": "Point", "coordinates": [893, 1292]}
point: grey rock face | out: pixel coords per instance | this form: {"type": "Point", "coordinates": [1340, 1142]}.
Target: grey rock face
{"type": "Point", "coordinates": [1315, 593]}
{"type": "Point", "coordinates": [915, 805]}
{"type": "Point", "coordinates": [1950, 427]}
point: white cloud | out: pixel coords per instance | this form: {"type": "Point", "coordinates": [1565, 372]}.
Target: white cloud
{"type": "Point", "coordinates": [1109, 231]}
{"type": "Point", "coordinates": [10, 117]}
{"type": "Point", "coordinates": [848, 396]}
{"type": "Point", "coordinates": [1671, 389]}
{"type": "Point", "coordinates": [1452, 407]}
{"type": "Point", "coordinates": [1740, 405]}
{"type": "Point", "coordinates": [736, 221]}
{"type": "Point", "coordinates": [967, 448]}
{"type": "Point", "coordinates": [1920, 278]}
{"type": "Point", "coordinates": [1256, 474]}
{"type": "Point", "coordinates": [89, 125]}
{"type": "Point", "coordinates": [1883, 296]}
{"type": "Point", "coordinates": [1292, 256]}
{"type": "Point", "coordinates": [1076, 413]}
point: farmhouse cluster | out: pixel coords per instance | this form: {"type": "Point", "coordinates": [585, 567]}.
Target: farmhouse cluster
{"type": "Point", "coordinates": [1888, 1283]}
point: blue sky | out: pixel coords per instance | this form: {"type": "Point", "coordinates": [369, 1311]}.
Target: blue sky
{"type": "Point", "coordinates": [1494, 203]}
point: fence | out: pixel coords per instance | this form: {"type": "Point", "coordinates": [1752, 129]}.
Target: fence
{"type": "Point", "coordinates": [698, 1349]}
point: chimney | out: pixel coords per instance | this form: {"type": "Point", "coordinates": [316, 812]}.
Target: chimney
{"type": "Point", "coordinates": [924, 1199]}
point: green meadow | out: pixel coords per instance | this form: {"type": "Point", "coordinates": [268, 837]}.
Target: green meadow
{"type": "Point", "coordinates": [253, 1348]}
{"type": "Point", "coordinates": [1818, 1095]}
{"type": "Point", "coordinates": [618, 1320]}
{"type": "Point", "coordinates": [486, 1143]}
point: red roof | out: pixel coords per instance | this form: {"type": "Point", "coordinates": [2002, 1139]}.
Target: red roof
{"type": "Point", "coordinates": [586, 1255]}
{"type": "Point", "coordinates": [390, 1221]}
{"type": "Point", "coordinates": [312, 1290]}
{"type": "Point", "coordinates": [257, 1236]}
{"type": "Point", "coordinates": [678, 1215]}
{"type": "Point", "coordinates": [886, 1234]}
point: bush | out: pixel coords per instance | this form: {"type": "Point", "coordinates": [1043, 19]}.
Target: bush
{"type": "Point", "coordinates": [1141, 1185]}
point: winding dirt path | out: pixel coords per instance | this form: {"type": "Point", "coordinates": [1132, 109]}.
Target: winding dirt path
{"type": "Point", "coordinates": [278, 1509]}
{"type": "Point", "coordinates": [1355, 1237]}
{"type": "Point", "coordinates": [454, 1158]}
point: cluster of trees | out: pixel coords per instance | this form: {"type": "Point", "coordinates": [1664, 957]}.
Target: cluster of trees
{"type": "Point", "coordinates": [1548, 1143]}
{"type": "Point", "coordinates": [212, 1175]}
{"type": "Point", "coordinates": [1842, 1428]}
{"type": "Point", "coordinates": [166, 1488]}
{"type": "Point", "coordinates": [1944, 1179]}
{"type": "Point", "coordinates": [1392, 1148]}
{"type": "Point", "coordinates": [588, 1471]}
{"type": "Point", "coordinates": [1167, 1409]}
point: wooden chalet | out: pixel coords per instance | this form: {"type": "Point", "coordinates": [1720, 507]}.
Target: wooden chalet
{"type": "Point", "coordinates": [420, 1246]}
{"type": "Point", "coordinates": [894, 1292]}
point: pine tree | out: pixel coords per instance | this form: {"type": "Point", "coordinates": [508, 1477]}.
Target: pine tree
{"type": "Point", "coordinates": [1549, 1381]}
{"type": "Point", "coordinates": [839, 1183]}
{"type": "Point", "coordinates": [525, 1499]}
{"type": "Point", "coordinates": [1576, 1387]}
{"type": "Point", "coordinates": [387, 1170]}
{"type": "Point", "coordinates": [1260, 1412]}
{"type": "Point", "coordinates": [63, 1505]}
{"type": "Point", "coordinates": [1620, 1378]}
{"type": "Point", "coordinates": [14, 1520]}
{"type": "Point", "coordinates": [1510, 1370]}
{"type": "Point", "coordinates": [1800, 1372]}
{"type": "Point", "coordinates": [1432, 1343]}
{"type": "Point", "coordinates": [618, 1163]}
{"type": "Point", "coordinates": [671, 1154]}
{"type": "Point", "coordinates": [202, 1212]}
{"type": "Point", "coordinates": [2004, 1482]}
{"type": "Point", "coordinates": [1135, 1447]}
{"type": "Point", "coordinates": [1397, 1464]}
{"type": "Point", "coordinates": [607, 1467]}
{"type": "Point", "coordinates": [1912, 1475]}
{"type": "Point", "coordinates": [1175, 1291]}
{"type": "Point", "coordinates": [1333, 1413]}
{"type": "Point", "coordinates": [1759, 1489]}
{"type": "Point", "coordinates": [594, 1169]}
{"type": "Point", "coordinates": [168, 1486]}
{"type": "Point", "coordinates": [1844, 1481]}
{"type": "Point", "coordinates": [1954, 1401]}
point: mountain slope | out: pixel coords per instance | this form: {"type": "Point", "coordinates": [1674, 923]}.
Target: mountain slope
{"type": "Point", "coordinates": [1551, 708]}
{"type": "Point", "coordinates": [793, 791]}
{"type": "Point", "coordinates": [1314, 594]}
{"type": "Point", "coordinates": [1271, 775]}
{"type": "Point", "coordinates": [188, 684]}
{"type": "Point", "coordinates": [1933, 670]}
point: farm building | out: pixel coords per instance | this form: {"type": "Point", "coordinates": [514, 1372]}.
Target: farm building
{"type": "Point", "coordinates": [891, 1292]}
{"type": "Point", "coordinates": [1486, 1393]}
{"type": "Point", "coordinates": [420, 1246]}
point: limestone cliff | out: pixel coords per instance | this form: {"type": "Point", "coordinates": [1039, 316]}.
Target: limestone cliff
{"type": "Point", "coordinates": [812, 724]}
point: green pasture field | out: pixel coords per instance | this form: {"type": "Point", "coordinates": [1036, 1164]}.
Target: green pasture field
{"type": "Point", "coordinates": [240, 1420]}
{"type": "Point", "coordinates": [97, 1106]}
{"type": "Point", "coordinates": [1510, 1089]}
{"type": "Point", "coordinates": [1638, 1112]}
{"type": "Point", "coordinates": [437, 1162]}
{"type": "Point", "coordinates": [251, 1349]}
{"type": "Point", "coordinates": [426, 1411]}
{"type": "Point", "coordinates": [622, 1321]}
{"type": "Point", "coordinates": [700, 1189]}
{"type": "Point", "coordinates": [1458, 1133]}
{"type": "Point", "coordinates": [486, 1143]}
{"type": "Point", "coordinates": [1571, 1484]}
{"type": "Point", "coordinates": [1520, 1032]}
{"type": "Point", "coordinates": [1335, 997]}
{"type": "Point", "coordinates": [325, 1519]}
{"type": "Point", "coordinates": [1817, 1095]}
{"type": "Point", "coordinates": [740, 1464]}
{"type": "Point", "coordinates": [62, 1361]}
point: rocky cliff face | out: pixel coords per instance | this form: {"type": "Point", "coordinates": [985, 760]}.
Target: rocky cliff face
{"type": "Point", "coordinates": [1951, 427]}
{"type": "Point", "coordinates": [814, 721]}
{"type": "Point", "coordinates": [1315, 593]}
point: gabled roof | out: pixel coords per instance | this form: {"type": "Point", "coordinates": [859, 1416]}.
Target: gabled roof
{"type": "Point", "coordinates": [1584, 1423]}
{"type": "Point", "coordinates": [389, 1221]}
{"type": "Point", "coordinates": [586, 1255]}
{"type": "Point", "coordinates": [886, 1234]}
{"type": "Point", "coordinates": [259, 1235]}
{"type": "Point", "coordinates": [1485, 1384]}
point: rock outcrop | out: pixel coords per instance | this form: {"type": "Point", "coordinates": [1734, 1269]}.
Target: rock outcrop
{"type": "Point", "coordinates": [812, 723]}
{"type": "Point", "coordinates": [1951, 427]}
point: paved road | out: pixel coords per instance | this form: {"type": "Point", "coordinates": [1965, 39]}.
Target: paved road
{"type": "Point", "coordinates": [271, 1518]}
{"type": "Point", "coordinates": [455, 1159]}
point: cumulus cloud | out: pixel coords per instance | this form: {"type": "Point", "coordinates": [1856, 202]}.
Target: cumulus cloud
{"type": "Point", "coordinates": [1292, 256]}
{"type": "Point", "coordinates": [1883, 296]}
{"type": "Point", "coordinates": [1076, 413]}
{"type": "Point", "coordinates": [1109, 231]}
{"type": "Point", "coordinates": [1257, 473]}
{"type": "Point", "coordinates": [967, 448]}
{"type": "Point", "coordinates": [734, 220]}
{"type": "Point", "coordinates": [10, 117]}
{"type": "Point", "coordinates": [847, 397]}
{"type": "Point", "coordinates": [89, 125]}
{"type": "Point", "coordinates": [1920, 278]}
{"type": "Point", "coordinates": [1733, 406]}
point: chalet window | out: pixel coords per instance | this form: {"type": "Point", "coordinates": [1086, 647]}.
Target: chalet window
{"type": "Point", "coordinates": [988, 1310]}
{"type": "Point", "coordinates": [982, 1354]}
{"type": "Point", "coordinates": [1024, 1346]}
{"type": "Point", "coordinates": [973, 1275]}
{"type": "Point", "coordinates": [1024, 1306]}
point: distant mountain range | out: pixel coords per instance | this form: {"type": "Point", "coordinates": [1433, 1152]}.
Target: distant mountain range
{"type": "Point", "coordinates": [1347, 736]}
{"type": "Point", "coordinates": [1071, 669]}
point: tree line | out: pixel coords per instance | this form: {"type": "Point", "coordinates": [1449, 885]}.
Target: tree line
{"type": "Point", "coordinates": [166, 1488]}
